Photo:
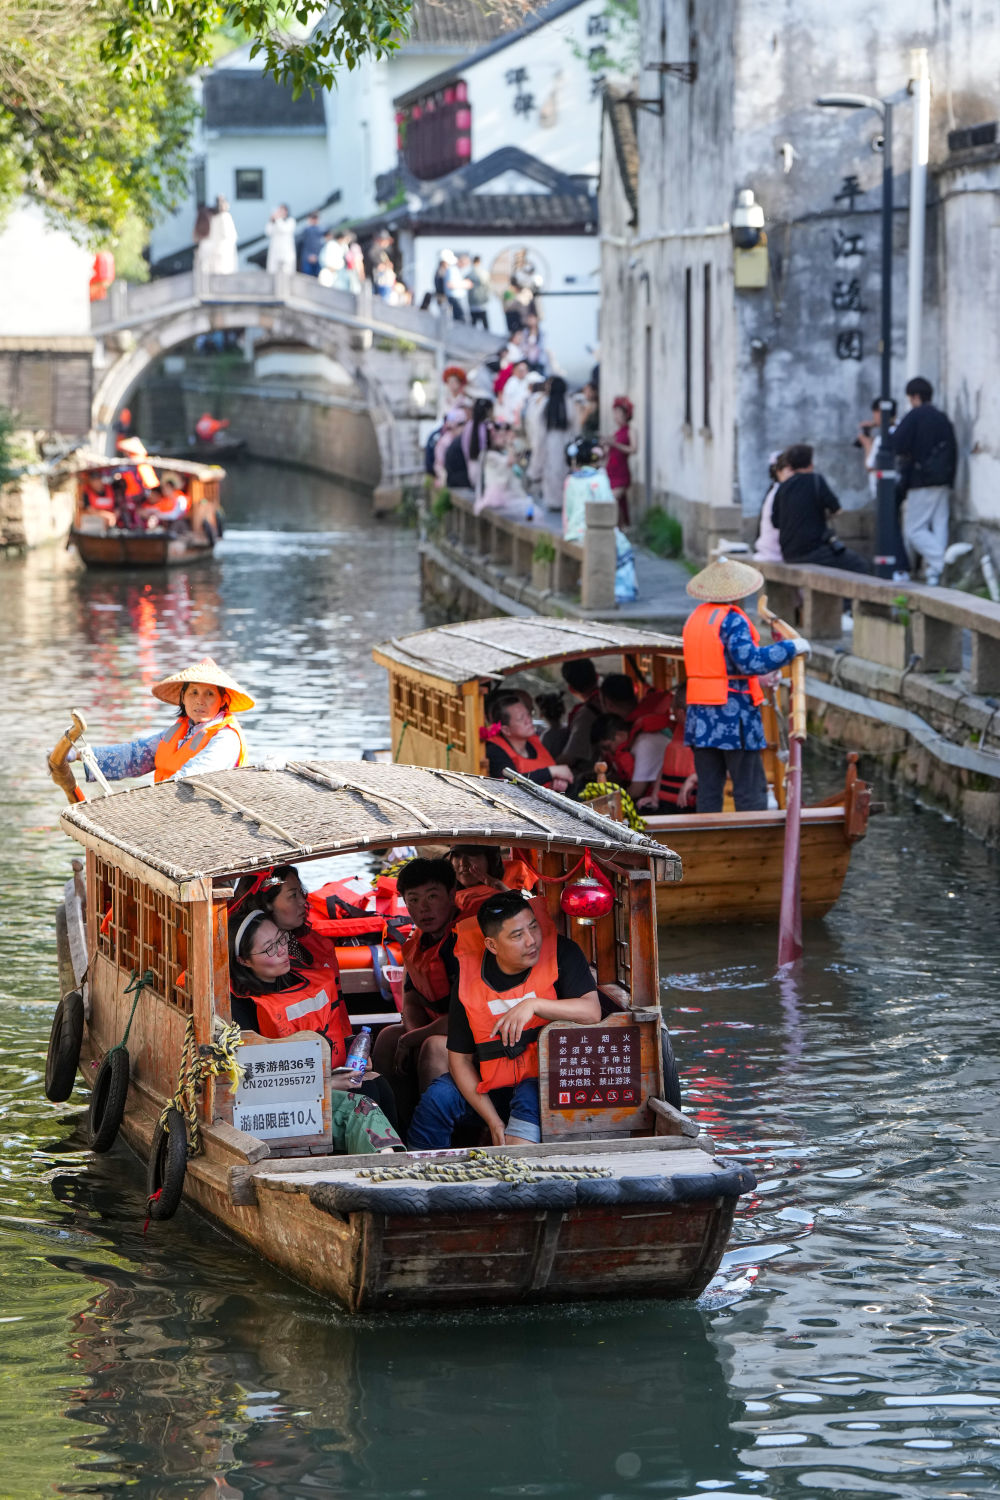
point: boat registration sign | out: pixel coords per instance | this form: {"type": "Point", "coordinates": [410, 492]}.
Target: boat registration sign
{"type": "Point", "coordinates": [282, 1093]}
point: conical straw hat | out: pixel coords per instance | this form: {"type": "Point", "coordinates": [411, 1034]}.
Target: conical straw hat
{"type": "Point", "coordinates": [725, 581]}
{"type": "Point", "coordinates": [206, 670]}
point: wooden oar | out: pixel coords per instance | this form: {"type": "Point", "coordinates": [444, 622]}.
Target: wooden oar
{"type": "Point", "coordinates": [59, 767]}
{"type": "Point", "coordinates": [790, 920]}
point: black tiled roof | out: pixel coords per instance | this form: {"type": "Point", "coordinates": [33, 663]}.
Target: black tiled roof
{"type": "Point", "coordinates": [467, 24]}
{"type": "Point", "coordinates": [244, 99]}
{"type": "Point", "coordinates": [619, 105]}
{"type": "Point", "coordinates": [550, 213]}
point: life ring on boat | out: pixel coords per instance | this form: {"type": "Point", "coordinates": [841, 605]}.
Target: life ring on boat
{"type": "Point", "coordinates": [167, 1166]}
{"type": "Point", "coordinates": [671, 1077]}
{"type": "Point", "coordinates": [107, 1102]}
{"type": "Point", "coordinates": [65, 1041]}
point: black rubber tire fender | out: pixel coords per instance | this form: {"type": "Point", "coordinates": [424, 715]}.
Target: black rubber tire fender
{"type": "Point", "coordinates": [167, 1166]}
{"type": "Point", "coordinates": [671, 1077]}
{"type": "Point", "coordinates": [107, 1102]}
{"type": "Point", "coordinates": [65, 1041]}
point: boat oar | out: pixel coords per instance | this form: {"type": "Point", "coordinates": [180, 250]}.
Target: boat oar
{"type": "Point", "coordinates": [59, 766]}
{"type": "Point", "coordinates": [790, 919]}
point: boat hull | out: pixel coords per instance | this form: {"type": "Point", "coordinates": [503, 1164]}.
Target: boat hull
{"type": "Point", "coordinates": [124, 549]}
{"type": "Point", "coordinates": [368, 1261]}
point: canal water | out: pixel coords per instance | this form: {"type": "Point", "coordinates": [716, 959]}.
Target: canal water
{"type": "Point", "coordinates": [849, 1346]}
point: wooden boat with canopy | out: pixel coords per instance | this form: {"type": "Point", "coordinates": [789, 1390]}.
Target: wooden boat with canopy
{"type": "Point", "coordinates": [439, 682]}
{"type": "Point", "coordinates": [622, 1197]}
{"type": "Point", "coordinates": [103, 541]}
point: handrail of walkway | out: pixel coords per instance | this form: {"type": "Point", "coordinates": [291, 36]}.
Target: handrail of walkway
{"type": "Point", "coordinates": [900, 625]}
{"type": "Point", "coordinates": [131, 304]}
{"type": "Point", "coordinates": [543, 558]}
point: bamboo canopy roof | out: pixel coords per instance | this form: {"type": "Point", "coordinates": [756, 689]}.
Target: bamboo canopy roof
{"type": "Point", "coordinates": [229, 822]}
{"type": "Point", "coordinates": [495, 648]}
{"type": "Point", "coordinates": [82, 459]}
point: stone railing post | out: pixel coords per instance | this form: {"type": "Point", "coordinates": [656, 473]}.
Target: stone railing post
{"type": "Point", "coordinates": [597, 582]}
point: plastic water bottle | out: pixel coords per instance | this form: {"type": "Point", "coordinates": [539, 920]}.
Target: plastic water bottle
{"type": "Point", "coordinates": [361, 1051]}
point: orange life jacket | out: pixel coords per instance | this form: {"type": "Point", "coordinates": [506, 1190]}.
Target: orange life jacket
{"type": "Point", "coordinates": [651, 715]}
{"type": "Point", "coordinates": [171, 755]}
{"type": "Point", "coordinates": [678, 765]}
{"type": "Point", "coordinates": [320, 951]}
{"type": "Point", "coordinates": [519, 874]}
{"type": "Point", "coordinates": [521, 762]}
{"type": "Point", "coordinates": [178, 501]}
{"type": "Point", "coordinates": [499, 1066]}
{"type": "Point", "coordinates": [426, 971]}
{"type": "Point", "coordinates": [98, 499]}
{"type": "Point", "coordinates": [708, 676]}
{"type": "Point", "coordinates": [313, 1003]}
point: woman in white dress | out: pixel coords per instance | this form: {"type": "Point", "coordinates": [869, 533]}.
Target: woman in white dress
{"type": "Point", "coordinates": [218, 254]}
{"type": "Point", "coordinates": [280, 231]}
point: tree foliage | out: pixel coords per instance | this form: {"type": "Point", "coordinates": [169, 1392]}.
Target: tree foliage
{"type": "Point", "coordinates": [304, 43]}
{"type": "Point", "coordinates": [74, 135]}
{"type": "Point", "coordinates": [95, 107]}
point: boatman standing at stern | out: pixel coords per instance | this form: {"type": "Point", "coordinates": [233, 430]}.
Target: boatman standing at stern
{"type": "Point", "coordinates": [723, 659]}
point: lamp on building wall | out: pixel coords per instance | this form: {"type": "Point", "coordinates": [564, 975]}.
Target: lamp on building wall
{"type": "Point", "coordinates": [748, 220]}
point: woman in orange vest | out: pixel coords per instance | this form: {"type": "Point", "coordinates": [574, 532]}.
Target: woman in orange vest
{"type": "Point", "coordinates": [511, 741]}
{"type": "Point", "coordinates": [204, 736]}
{"type": "Point", "coordinates": [280, 893]}
{"type": "Point", "coordinates": [515, 973]}
{"type": "Point", "coordinates": [276, 998]}
{"type": "Point", "coordinates": [723, 659]}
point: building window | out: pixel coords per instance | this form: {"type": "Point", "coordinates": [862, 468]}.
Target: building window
{"type": "Point", "coordinates": [434, 135]}
{"type": "Point", "coordinates": [198, 181]}
{"type": "Point", "coordinates": [706, 350]}
{"type": "Point", "coordinates": [249, 182]}
{"type": "Point", "coordinates": [688, 382]}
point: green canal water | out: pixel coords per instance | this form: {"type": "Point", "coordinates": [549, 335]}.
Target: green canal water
{"type": "Point", "coordinates": [849, 1346]}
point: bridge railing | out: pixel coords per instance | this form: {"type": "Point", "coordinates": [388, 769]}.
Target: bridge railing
{"type": "Point", "coordinates": [130, 304]}
{"type": "Point", "coordinates": [900, 625]}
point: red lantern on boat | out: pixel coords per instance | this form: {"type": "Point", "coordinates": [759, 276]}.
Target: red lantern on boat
{"type": "Point", "coordinates": [587, 899]}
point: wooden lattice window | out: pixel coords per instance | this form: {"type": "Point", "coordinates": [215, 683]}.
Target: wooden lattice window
{"type": "Point", "coordinates": [623, 936]}
{"type": "Point", "coordinates": [439, 715]}
{"type": "Point", "coordinates": [139, 928]}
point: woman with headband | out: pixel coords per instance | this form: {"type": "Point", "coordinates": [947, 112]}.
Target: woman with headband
{"type": "Point", "coordinates": [275, 998]}
{"type": "Point", "coordinates": [280, 893]}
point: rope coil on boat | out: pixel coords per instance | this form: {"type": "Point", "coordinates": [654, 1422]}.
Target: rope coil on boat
{"type": "Point", "coordinates": [482, 1168]}
{"type": "Point", "coordinates": [633, 817]}
{"type": "Point", "coordinates": [198, 1064]}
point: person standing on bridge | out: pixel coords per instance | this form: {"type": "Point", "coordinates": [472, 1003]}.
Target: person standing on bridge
{"type": "Point", "coordinates": [280, 231]}
{"type": "Point", "coordinates": [220, 248]}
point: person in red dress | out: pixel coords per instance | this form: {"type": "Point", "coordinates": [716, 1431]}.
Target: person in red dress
{"type": "Point", "coordinates": [620, 449]}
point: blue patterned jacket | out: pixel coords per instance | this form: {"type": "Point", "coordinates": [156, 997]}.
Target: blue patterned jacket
{"type": "Point", "coordinates": [736, 724]}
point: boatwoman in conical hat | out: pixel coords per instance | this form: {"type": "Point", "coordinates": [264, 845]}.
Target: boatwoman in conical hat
{"type": "Point", "coordinates": [205, 735]}
{"type": "Point", "coordinates": [724, 659]}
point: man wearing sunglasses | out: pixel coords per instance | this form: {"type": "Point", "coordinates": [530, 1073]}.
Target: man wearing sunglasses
{"type": "Point", "coordinates": [515, 973]}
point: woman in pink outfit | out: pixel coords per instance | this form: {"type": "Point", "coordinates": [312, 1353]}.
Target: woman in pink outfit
{"type": "Point", "coordinates": [620, 449]}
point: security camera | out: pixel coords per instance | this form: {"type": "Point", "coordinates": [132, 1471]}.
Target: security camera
{"type": "Point", "coordinates": [748, 220]}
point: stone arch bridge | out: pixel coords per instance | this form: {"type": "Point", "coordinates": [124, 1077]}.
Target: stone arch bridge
{"type": "Point", "coordinates": [139, 323]}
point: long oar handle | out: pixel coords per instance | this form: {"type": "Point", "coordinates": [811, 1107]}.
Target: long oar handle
{"type": "Point", "coordinates": [58, 768]}
{"type": "Point", "coordinates": [784, 631]}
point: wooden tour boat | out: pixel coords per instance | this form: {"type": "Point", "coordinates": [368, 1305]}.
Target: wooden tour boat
{"type": "Point", "coordinates": [622, 1197]}
{"type": "Point", "coordinates": [439, 681]}
{"type": "Point", "coordinates": [102, 543]}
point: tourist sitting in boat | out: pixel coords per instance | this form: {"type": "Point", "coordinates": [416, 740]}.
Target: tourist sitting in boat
{"type": "Point", "coordinates": [280, 893]}
{"type": "Point", "coordinates": [609, 737]}
{"type": "Point", "coordinates": [98, 496]}
{"type": "Point", "coordinates": [478, 869]}
{"type": "Point", "coordinates": [276, 998]}
{"type": "Point", "coordinates": [648, 719]}
{"type": "Point", "coordinates": [203, 737]}
{"type": "Point", "coordinates": [511, 741]}
{"type": "Point", "coordinates": [580, 677]}
{"type": "Point", "coordinates": [723, 659]}
{"type": "Point", "coordinates": [515, 973]}
{"type": "Point", "coordinates": [172, 507]}
{"type": "Point", "coordinates": [411, 1055]}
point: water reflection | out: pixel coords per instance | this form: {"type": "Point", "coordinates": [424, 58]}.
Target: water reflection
{"type": "Point", "coordinates": [851, 1344]}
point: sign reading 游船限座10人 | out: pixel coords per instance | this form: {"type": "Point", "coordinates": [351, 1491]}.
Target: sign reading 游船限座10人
{"type": "Point", "coordinates": [283, 1088]}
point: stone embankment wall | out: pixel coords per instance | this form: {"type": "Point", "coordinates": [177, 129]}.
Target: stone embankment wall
{"type": "Point", "coordinates": [32, 513]}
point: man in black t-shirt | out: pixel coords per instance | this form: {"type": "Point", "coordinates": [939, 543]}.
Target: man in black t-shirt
{"type": "Point", "coordinates": [515, 974]}
{"type": "Point", "coordinates": [927, 457]}
{"type": "Point", "coordinates": [800, 509]}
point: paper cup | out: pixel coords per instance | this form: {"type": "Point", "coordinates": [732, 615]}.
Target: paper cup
{"type": "Point", "coordinates": [395, 976]}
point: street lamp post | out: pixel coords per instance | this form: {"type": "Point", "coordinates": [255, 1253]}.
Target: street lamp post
{"type": "Point", "coordinates": [885, 496]}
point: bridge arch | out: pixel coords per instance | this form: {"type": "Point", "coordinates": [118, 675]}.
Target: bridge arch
{"type": "Point", "coordinates": [123, 369]}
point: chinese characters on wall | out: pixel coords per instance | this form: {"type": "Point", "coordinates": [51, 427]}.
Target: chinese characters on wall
{"type": "Point", "coordinates": [845, 297]}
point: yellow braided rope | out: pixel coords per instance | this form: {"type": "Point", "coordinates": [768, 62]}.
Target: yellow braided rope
{"type": "Point", "coordinates": [605, 789]}
{"type": "Point", "coordinates": [197, 1065]}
